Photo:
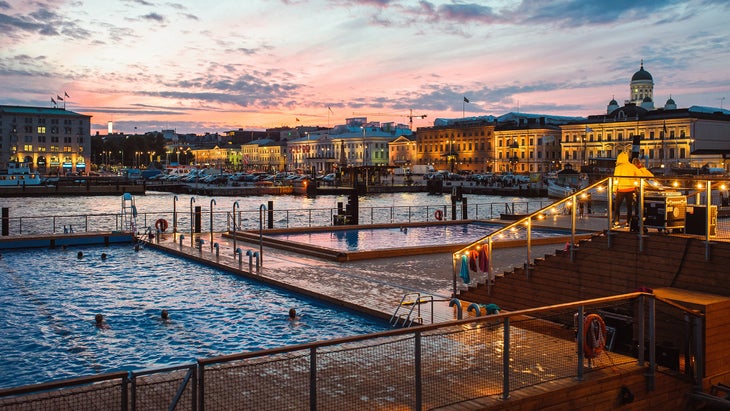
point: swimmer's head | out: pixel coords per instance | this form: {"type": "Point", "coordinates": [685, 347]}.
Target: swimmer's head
{"type": "Point", "coordinates": [164, 315]}
{"type": "Point", "coordinates": [103, 256]}
{"type": "Point", "coordinates": [99, 319]}
{"type": "Point", "coordinates": [80, 254]}
{"type": "Point", "coordinates": [292, 313]}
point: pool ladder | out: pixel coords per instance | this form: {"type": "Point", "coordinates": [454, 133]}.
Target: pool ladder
{"type": "Point", "coordinates": [404, 313]}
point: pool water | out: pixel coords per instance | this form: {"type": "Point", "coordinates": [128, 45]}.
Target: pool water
{"type": "Point", "coordinates": [373, 239]}
{"type": "Point", "coordinates": [48, 300]}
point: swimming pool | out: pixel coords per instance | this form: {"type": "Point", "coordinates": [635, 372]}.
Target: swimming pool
{"type": "Point", "coordinates": [47, 310]}
{"type": "Point", "coordinates": [387, 237]}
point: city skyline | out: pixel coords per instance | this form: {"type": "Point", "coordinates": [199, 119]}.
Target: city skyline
{"type": "Point", "coordinates": [197, 67]}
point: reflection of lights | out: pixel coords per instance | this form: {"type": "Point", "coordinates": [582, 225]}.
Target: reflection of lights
{"type": "Point", "coordinates": [699, 186]}
{"type": "Point", "coordinates": [723, 186]}
{"type": "Point", "coordinates": [568, 203]}
{"type": "Point", "coordinates": [554, 210]}
{"type": "Point", "coordinates": [675, 184]}
{"type": "Point", "coordinates": [600, 188]}
{"type": "Point", "coordinates": [583, 195]}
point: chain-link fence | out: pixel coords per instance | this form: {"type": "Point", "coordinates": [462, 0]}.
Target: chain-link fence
{"type": "Point", "coordinates": [414, 368]}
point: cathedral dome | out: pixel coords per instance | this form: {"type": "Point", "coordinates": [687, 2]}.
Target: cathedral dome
{"type": "Point", "coordinates": [642, 75]}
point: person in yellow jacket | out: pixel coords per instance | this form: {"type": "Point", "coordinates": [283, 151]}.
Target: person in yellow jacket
{"type": "Point", "coordinates": [641, 172]}
{"type": "Point", "coordinates": [624, 184]}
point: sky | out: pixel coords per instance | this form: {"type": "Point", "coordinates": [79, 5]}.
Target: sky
{"type": "Point", "coordinates": [214, 66]}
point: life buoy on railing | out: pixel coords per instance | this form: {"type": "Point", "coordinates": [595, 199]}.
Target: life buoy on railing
{"type": "Point", "coordinates": [594, 335]}
{"type": "Point", "coordinates": [161, 225]}
{"type": "Point", "coordinates": [438, 214]}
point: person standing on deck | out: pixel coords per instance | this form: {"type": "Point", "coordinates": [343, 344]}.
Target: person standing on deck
{"type": "Point", "coordinates": [624, 186]}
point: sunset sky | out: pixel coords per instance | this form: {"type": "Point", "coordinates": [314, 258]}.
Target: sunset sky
{"type": "Point", "coordinates": [212, 66]}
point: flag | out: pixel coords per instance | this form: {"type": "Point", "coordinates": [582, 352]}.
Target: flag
{"type": "Point", "coordinates": [53, 101]}
{"type": "Point", "coordinates": [466, 100]}
{"type": "Point", "coordinates": [66, 95]}
{"type": "Point", "coordinates": [59, 98]}
{"type": "Point", "coordinates": [589, 130]}
{"type": "Point", "coordinates": [330, 109]}
{"type": "Point", "coordinates": [297, 119]}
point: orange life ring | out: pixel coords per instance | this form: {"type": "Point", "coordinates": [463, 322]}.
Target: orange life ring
{"type": "Point", "coordinates": [594, 335]}
{"type": "Point", "coordinates": [438, 214]}
{"type": "Point", "coordinates": [161, 224]}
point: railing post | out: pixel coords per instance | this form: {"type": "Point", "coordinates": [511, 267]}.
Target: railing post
{"type": "Point", "coordinates": [573, 206]}
{"type": "Point", "coordinates": [609, 210]}
{"type": "Point", "coordinates": [313, 378]}
{"type": "Point", "coordinates": [579, 343]}
{"type": "Point", "coordinates": [708, 222]}
{"type": "Point", "coordinates": [417, 363]}
{"type": "Point", "coordinates": [699, 362]}
{"type": "Point", "coordinates": [201, 387]}
{"type": "Point", "coordinates": [529, 246]}
{"type": "Point", "coordinates": [641, 323]}
{"type": "Point", "coordinates": [652, 345]}
{"type": "Point", "coordinates": [505, 360]}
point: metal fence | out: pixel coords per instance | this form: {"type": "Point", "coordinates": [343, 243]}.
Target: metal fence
{"type": "Point", "coordinates": [422, 367]}
{"type": "Point", "coordinates": [218, 220]}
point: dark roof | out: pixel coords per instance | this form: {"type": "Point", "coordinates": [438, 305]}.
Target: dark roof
{"type": "Point", "coordinates": [642, 75]}
{"type": "Point", "coordinates": [38, 111]}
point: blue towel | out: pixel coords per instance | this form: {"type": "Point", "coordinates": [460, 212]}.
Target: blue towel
{"type": "Point", "coordinates": [465, 269]}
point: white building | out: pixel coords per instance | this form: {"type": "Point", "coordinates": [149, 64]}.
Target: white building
{"type": "Point", "coordinates": [356, 143]}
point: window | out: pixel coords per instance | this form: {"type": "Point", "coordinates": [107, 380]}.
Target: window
{"type": "Point", "coordinates": [28, 147]}
{"type": "Point", "coordinates": [41, 130]}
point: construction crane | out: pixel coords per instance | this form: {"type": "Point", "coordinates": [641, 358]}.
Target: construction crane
{"type": "Point", "coordinates": [408, 116]}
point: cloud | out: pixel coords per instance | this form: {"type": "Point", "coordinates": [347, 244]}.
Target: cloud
{"type": "Point", "coordinates": [577, 13]}
{"type": "Point", "coordinates": [154, 16]}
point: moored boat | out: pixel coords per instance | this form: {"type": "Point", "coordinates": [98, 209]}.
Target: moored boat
{"type": "Point", "coordinates": [18, 174]}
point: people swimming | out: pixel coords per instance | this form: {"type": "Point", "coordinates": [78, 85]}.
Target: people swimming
{"type": "Point", "coordinates": [100, 323]}
{"type": "Point", "coordinates": [103, 256]}
{"type": "Point", "coordinates": [80, 255]}
{"type": "Point", "coordinates": [164, 316]}
{"type": "Point", "coordinates": [292, 314]}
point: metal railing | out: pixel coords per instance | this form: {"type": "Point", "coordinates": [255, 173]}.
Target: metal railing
{"type": "Point", "coordinates": [249, 219]}
{"type": "Point", "coordinates": [653, 209]}
{"type": "Point", "coordinates": [414, 368]}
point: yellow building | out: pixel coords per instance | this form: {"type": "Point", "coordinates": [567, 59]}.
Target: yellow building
{"type": "Point", "coordinates": [466, 145]}
{"type": "Point", "coordinates": [402, 151]}
{"type": "Point", "coordinates": [527, 148]}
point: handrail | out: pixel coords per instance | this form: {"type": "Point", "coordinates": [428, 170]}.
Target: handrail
{"type": "Point", "coordinates": [487, 240]}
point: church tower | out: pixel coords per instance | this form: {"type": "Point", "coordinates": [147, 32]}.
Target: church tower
{"type": "Point", "coordinates": [642, 88]}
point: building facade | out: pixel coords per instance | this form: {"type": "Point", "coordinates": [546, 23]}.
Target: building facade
{"type": "Point", "coordinates": [356, 143]}
{"type": "Point", "coordinates": [466, 145]}
{"type": "Point", "coordinates": [51, 140]}
{"type": "Point", "coordinates": [667, 138]}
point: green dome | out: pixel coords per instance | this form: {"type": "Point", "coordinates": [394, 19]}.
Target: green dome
{"type": "Point", "coordinates": [642, 75]}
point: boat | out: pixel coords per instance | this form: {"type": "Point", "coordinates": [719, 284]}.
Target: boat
{"type": "Point", "coordinates": [556, 190]}
{"type": "Point", "coordinates": [18, 174]}
{"type": "Point", "coordinates": [565, 182]}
